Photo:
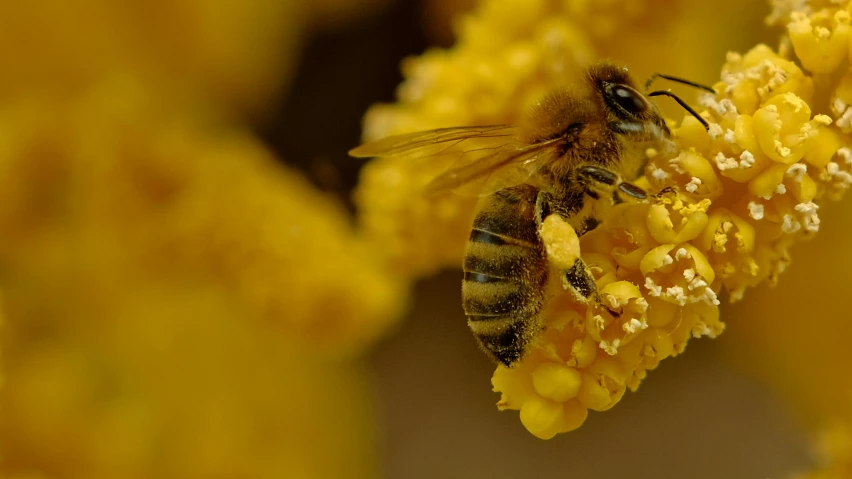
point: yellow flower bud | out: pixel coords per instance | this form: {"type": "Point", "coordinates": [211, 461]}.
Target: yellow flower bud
{"type": "Point", "coordinates": [556, 381]}
{"type": "Point", "coordinates": [541, 417]}
{"type": "Point", "coordinates": [778, 127]}
{"type": "Point", "coordinates": [821, 42]}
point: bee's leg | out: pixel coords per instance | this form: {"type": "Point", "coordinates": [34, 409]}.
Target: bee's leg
{"type": "Point", "coordinates": [597, 178]}
{"type": "Point", "coordinates": [579, 280]}
{"type": "Point", "coordinates": [665, 191]}
{"type": "Point", "coordinates": [577, 277]}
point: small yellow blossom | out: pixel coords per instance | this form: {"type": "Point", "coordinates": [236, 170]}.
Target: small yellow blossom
{"type": "Point", "coordinates": [734, 198]}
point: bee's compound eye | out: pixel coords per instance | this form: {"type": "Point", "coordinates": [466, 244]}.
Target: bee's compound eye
{"type": "Point", "coordinates": [629, 99]}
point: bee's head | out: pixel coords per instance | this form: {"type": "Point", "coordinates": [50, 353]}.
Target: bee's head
{"type": "Point", "coordinates": [628, 112]}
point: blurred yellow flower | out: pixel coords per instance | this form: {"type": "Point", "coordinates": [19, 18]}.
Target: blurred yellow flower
{"type": "Point", "coordinates": [234, 54]}
{"type": "Point", "coordinates": [735, 198]}
{"type": "Point", "coordinates": [176, 303]}
{"type": "Point", "coordinates": [237, 56]}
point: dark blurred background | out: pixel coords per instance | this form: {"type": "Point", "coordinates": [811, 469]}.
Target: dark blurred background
{"type": "Point", "coordinates": [319, 121]}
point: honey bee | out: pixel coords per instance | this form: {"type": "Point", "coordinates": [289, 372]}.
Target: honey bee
{"type": "Point", "coordinates": [574, 155]}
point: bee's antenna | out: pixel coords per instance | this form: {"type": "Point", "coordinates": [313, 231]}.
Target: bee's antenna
{"type": "Point", "coordinates": [682, 103]}
{"type": "Point", "coordinates": [677, 80]}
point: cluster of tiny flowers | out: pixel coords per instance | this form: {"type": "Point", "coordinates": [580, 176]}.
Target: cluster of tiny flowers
{"type": "Point", "coordinates": [727, 204]}
{"type": "Point", "coordinates": [509, 54]}
{"type": "Point", "coordinates": [730, 202]}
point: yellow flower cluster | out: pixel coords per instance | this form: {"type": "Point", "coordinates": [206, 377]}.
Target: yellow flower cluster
{"type": "Point", "coordinates": [508, 54]}
{"type": "Point", "coordinates": [732, 201]}
{"type": "Point", "coordinates": [735, 198]}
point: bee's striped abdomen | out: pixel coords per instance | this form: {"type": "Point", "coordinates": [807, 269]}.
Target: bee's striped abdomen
{"type": "Point", "coordinates": [505, 269]}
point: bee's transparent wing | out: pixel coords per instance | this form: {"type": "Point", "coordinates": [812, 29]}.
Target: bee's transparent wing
{"type": "Point", "coordinates": [484, 159]}
{"type": "Point", "coordinates": [503, 168]}
{"type": "Point", "coordinates": [436, 142]}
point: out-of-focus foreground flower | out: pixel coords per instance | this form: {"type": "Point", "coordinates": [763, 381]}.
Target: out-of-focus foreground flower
{"type": "Point", "coordinates": [238, 55]}
{"type": "Point", "coordinates": [744, 191]}
{"type": "Point", "coordinates": [175, 302]}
